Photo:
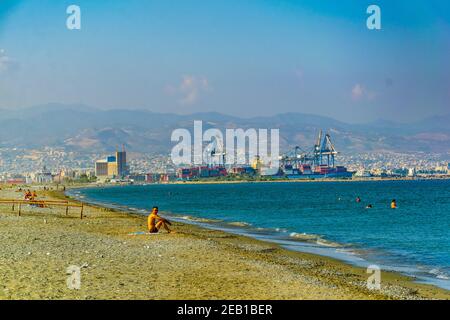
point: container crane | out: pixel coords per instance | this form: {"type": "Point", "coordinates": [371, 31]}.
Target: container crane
{"type": "Point", "coordinates": [216, 152]}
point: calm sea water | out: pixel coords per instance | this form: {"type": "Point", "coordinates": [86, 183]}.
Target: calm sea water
{"type": "Point", "coordinates": [317, 217]}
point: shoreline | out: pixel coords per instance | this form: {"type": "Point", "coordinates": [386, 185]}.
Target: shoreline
{"type": "Point", "coordinates": [335, 258]}
{"type": "Point", "coordinates": [297, 242]}
{"type": "Point", "coordinates": [172, 266]}
{"type": "Point", "coordinates": [321, 180]}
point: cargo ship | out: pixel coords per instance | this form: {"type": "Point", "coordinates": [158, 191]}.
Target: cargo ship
{"type": "Point", "coordinates": [201, 172]}
{"type": "Point", "coordinates": [317, 164]}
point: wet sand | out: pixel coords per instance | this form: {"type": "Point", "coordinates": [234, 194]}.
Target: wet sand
{"type": "Point", "coordinates": [193, 263]}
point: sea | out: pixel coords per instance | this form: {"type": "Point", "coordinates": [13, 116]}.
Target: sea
{"type": "Point", "coordinates": [316, 217]}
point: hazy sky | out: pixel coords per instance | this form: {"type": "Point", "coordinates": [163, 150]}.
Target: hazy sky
{"type": "Point", "coordinates": [245, 58]}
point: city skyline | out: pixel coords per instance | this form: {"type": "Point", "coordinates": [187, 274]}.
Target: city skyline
{"type": "Point", "coordinates": [237, 57]}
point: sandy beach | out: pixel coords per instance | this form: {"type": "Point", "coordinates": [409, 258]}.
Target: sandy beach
{"type": "Point", "coordinates": [193, 263]}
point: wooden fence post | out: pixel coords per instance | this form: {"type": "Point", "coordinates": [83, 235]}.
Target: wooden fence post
{"type": "Point", "coordinates": [13, 207]}
{"type": "Point", "coordinates": [20, 208]}
{"type": "Point", "coordinates": [67, 208]}
{"type": "Point", "coordinates": [81, 213]}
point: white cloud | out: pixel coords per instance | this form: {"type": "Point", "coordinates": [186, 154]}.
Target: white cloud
{"type": "Point", "coordinates": [190, 89]}
{"type": "Point", "coordinates": [6, 63]}
{"type": "Point", "coordinates": [359, 92]}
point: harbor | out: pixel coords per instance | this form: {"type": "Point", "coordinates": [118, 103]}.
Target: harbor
{"type": "Point", "coordinates": [318, 163]}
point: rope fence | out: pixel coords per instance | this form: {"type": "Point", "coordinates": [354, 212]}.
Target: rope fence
{"type": "Point", "coordinates": [16, 203]}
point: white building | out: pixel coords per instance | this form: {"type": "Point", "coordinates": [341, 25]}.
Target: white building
{"type": "Point", "coordinates": [411, 172]}
{"type": "Point", "coordinates": [44, 176]}
{"type": "Point", "coordinates": [362, 173]}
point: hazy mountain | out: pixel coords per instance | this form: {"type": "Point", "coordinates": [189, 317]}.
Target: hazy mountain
{"type": "Point", "coordinates": [79, 127]}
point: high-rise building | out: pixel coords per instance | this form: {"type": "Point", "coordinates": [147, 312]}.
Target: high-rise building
{"type": "Point", "coordinates": [112, 166]}
{"type": "Point", "coordinates": [121, 160]}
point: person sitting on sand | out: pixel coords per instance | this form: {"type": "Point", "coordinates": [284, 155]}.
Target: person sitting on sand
{"type": "Point", "coordinates": [155, 222]}
{"type": "Point", "coordinates": [28, 195]}
{"type": "Point", "coordinates": [393, 204]}
{"type": "Point", "coordinates": [34, 195]}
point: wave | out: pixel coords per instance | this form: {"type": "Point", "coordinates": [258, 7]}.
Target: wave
{"type": "Point", "coordinates": [239, 224]}
{"type": "Point", "coordinates": [304, 236]}
{"type": "Point", "coordinates": [197, 219]}
{"type": "Point", "coordinates": [327, 243]}
{"type": "Point", "coordinates": [347, 251]}
{"type": "Point", "coordinates": [314, 238]}
{"type": "Point", "coordinates": [437, 273]}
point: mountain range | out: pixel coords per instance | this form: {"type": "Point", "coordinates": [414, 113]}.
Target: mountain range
{"type": "Point", "coordinates": [83, 128]}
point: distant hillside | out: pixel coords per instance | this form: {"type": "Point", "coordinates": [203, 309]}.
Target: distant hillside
{"type": "Point", "coordinates": [78, 127]}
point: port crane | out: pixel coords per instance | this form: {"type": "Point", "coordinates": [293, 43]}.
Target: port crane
{"type": "Point", "coordinates": [323, 153]}
{"type": "Point", "coordinates": [295, 157]}
{"type": "Point", "coordinates": [215, 152]}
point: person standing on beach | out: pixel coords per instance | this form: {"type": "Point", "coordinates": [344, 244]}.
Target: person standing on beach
{"type": "Point", "coordinates": [155, 222]}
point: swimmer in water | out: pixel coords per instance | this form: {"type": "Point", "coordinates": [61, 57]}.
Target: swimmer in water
{"type": "Point", "coordinates": [369, 206]}
{"type": "Point", "coordinates": [358, 199]}
{"type": "Point", "coordinates": [155, 222]}
{"type": "Point", "coordinates": [393, 204]}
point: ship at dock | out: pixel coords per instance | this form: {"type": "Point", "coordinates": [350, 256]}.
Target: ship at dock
{"type": "Point", "coordinates": [318, 163]}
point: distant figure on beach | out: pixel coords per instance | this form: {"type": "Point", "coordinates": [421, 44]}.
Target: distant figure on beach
{"type": "Point", "coordinates": [393, 204]}
{"type": "Point", "coordinates": [155, 222]}
{"type": "Point", "coordinates": [34, 195]}
{"type": "Point", "coordinates": [358, 199]}
{"type": "Point", "coordinates": [28, 195]}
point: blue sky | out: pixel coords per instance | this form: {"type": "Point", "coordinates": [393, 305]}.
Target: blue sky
{"type": "Point", "coordinates": [245, 58]}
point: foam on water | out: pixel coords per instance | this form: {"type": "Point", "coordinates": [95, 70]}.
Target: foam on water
{"type": "Point", "coordinates": [196, 219]}
{"type": "Point", "coordinates": [239, 224]}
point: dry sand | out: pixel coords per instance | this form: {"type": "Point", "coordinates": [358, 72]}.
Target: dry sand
{"type": "Point", "coordinates": [193, 263]}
